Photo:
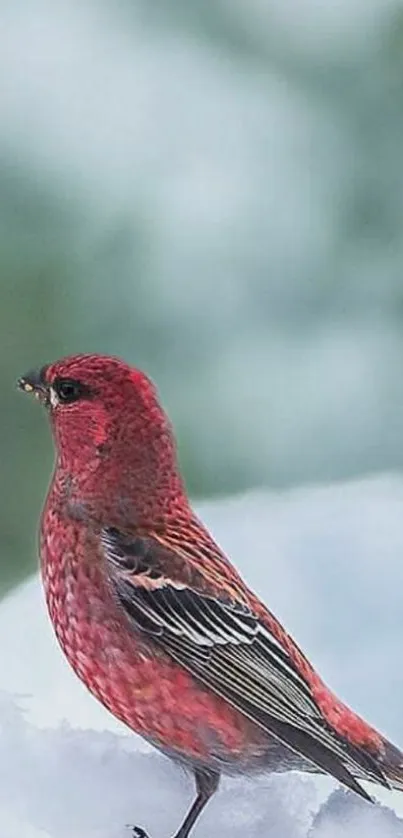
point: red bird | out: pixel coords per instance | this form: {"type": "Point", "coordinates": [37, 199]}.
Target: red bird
{"type": "Point", "coordinates": [153, 617]}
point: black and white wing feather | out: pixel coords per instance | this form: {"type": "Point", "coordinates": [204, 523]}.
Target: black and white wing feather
{"type": "Point", "coordinates": [223, 643]}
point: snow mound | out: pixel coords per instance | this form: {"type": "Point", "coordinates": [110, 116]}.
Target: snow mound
{"type": "Point", "coordinates": [328, 561]}
{"type": "Point", "coordinates": [69, 783]}
{"type": "Point", "coordinates": [346, 815]}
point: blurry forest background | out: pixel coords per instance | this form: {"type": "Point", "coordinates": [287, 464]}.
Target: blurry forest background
{"type": "Point", "coordinates": [214, 191]}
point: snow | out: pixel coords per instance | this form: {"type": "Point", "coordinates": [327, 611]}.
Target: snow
{"type": "Point", "coordinates": [328, 561]}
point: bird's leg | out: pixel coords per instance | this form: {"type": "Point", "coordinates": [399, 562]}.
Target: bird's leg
{"type": "Point", "coordinates": [206, 785]}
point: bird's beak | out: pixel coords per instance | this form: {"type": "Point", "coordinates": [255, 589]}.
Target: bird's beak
{"type": "Point", "coordinates": [35, 382]}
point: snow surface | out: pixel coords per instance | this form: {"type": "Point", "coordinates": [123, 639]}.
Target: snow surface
{"type": "Point", "coordinates": [328, 561]}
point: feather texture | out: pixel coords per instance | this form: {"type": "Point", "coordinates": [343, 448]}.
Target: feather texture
{"type": "Point", "coordinates": [222, 642]}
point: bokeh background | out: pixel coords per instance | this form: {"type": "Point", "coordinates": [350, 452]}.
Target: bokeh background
{"type": "Point", "coordinates": [213, 190]}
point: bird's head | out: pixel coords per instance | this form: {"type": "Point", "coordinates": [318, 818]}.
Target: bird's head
{"type": "Point", "coordinates": [107, 423]}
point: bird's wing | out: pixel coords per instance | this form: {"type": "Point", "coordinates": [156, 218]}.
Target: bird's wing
{"type": "Point", "coordinates": [222, 642]}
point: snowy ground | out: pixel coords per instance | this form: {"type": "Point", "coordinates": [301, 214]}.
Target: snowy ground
{"type": "Point", "coordinates": [328, 561]}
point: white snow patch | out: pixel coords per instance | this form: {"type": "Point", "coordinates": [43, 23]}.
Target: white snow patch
{"type": "Point", "coordinates": [328, 561]}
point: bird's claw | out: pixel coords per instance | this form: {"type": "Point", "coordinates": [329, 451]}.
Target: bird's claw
{"type": "Point", "coordinates": [138, 832]}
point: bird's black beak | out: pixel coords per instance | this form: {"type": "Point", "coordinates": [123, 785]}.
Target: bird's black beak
{"type": "Point", "coordinates": [35, 382]}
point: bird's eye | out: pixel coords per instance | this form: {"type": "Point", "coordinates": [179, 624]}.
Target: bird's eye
{"type": "Point", "coordinates": [68, 389]}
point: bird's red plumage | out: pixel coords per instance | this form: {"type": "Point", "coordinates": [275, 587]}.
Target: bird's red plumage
{"type": "Point", "coordinates": [140, 685]}
{"type": "Point", "coordinates": [116, 472]}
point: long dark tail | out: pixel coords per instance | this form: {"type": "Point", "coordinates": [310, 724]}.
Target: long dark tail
{"type": "Point", "coordinates": [391, 764]}
{"type": "Point", "coordinates": [387, 767]}
{"type": "Point", "coordinates": [384, 768]}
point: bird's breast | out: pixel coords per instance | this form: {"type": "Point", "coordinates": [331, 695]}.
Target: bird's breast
{"type": "Point", "coordinates": [92, 631]}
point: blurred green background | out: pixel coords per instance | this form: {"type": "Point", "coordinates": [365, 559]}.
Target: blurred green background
{"type": "Point", "coordinates": [213, 190]}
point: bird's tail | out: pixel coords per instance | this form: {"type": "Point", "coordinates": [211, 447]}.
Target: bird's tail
{"type": "Point", "coordinates": [391, 764]}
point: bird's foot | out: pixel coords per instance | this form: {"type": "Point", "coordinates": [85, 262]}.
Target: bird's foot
{"type": "Point", "coordinates": [137, 831]}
